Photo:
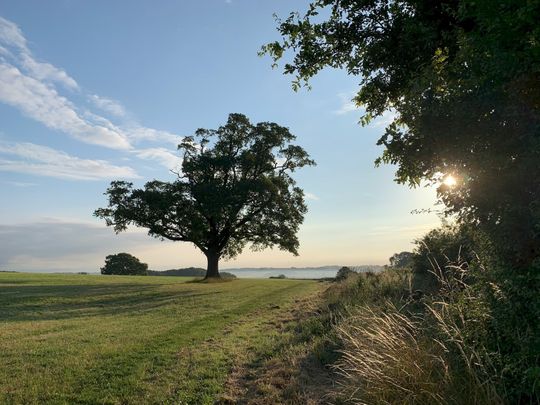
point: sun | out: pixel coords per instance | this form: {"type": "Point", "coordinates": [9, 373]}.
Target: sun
{"type": "Point", "coordinates": [449, 180]}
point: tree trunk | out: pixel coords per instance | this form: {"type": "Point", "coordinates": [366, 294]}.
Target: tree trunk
{"type": "Point", "coordinates": [212, 270]}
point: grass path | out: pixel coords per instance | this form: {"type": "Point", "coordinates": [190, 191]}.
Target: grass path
{"type": "Point", "coordinates": [118, 340]}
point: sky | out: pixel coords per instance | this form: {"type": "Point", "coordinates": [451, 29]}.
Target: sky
{"type": "Point", "coordinates": [92, 92]}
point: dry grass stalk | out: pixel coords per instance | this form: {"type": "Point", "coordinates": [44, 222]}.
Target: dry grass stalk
{"type": "Point", "coordinates": [385, 361]}
{"type": "Point", "coordinates": [389, 357]}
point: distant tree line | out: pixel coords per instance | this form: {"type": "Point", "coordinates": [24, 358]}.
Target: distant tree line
{"type": "Point", "coordinates": [187, 272]}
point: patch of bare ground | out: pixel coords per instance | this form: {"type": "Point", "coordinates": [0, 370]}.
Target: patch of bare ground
{"type": "Point", "coordinates": [286, 372]}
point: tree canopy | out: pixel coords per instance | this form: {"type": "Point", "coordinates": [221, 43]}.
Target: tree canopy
{"type": "Point", "coordinates": [234, 188]}
{"type": "Point", "coordinates": [401, 260]}
{"type": "Point", "coordinates": [124, 264]}
{"type": "Point", "coordinates": [463, 80]}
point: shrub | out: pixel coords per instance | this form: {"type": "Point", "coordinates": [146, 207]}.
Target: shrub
{"type": "Point", "coordinates": [401, 260]}
{"type": "Point", "coordinates": [510, 331]}
{"type": "Point", "coordinates": [124, 264]}
{"type": "Point", "coordinates": [343, 273]}
{"type": "Point", "coordinates": [439, 253]}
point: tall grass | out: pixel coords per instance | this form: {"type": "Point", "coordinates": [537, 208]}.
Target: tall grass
{"type": "Point", "coordinates": [400, 347]}
{"type": "Point", "coordinates": [386, 360]}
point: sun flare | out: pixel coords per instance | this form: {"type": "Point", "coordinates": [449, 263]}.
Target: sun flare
{"type": "Point", "coordinates": [449, 181]}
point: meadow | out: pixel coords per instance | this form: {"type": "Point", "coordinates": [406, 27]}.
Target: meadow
{"type": "Point", "coordinates": [90, 339]}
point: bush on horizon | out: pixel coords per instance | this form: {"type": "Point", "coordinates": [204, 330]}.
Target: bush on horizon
{"type": "Point", "coordinates": [124, 264]}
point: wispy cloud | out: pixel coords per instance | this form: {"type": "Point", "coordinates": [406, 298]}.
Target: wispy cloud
{"type": "Point", "coordinates": [110, 106]}
{"type": "Point", "coordinates": [347, 104]}
{"type": "Point", "coordinates": [140, 133]}
{"type": "Point", "coordinates": [14, 45]}
{"type": "Point", "coordinates": [47, 72]}
{"type": "Point", "coordinates": [311, 196]}
{"type": "Point", "coordinates": [44, 161]}
{"type": "Point", "coordinates": [31, 86]}
{"type": "Point", "coordinates": [43, 103]}
{"type": "Point", "coordinates": [163, 156]}
{"type": "Point", "coordinates": [384, 120]}
{"type": "Point", "coordinates": [11, 34]}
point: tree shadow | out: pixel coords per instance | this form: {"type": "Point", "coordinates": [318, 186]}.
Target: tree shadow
{"type": "Point", "coordinates": [32, 302]}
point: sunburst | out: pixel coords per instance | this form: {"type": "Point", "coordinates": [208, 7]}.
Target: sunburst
{"type": "Point", "coordinates": [449, 180]}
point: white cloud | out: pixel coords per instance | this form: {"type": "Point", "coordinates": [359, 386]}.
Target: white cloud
{"type": "Point", "coordinates": [12, 38]}
{"type": "Point", "coordinates": [4, 51]}
{"type": "Point", "coordinates": [111, 106]}
{"type": "Point", "coordinates": [140, 133]}
{"type": "Point", "coordinates": [29, 85]}
{"type": "Point", "coordinates": [347, 104]}
{"type": "Point", "coordinates": [163, 156]}
{"type": "Point", "coordinates": [11, 35]}
{"type": "Point", "coordinates": [45, 105]}
{"type": "Point", "coordinates": [311, 196]}
{"type": "Point", "coordinates": [47, 72]}
{"type": "Point", "coordinates": [44, 161]}
{"type": "Point", "coordinates": [384, 120]}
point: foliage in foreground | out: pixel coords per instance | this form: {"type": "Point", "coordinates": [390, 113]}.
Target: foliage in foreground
{"type": "Point", "coordinates": [495, 306]}
{"type": "Point", "coordinates": [462, 79]}
{"type": "Point", "coordinates": [405, 338]}
{"type": "Point", "coordinates": [394, 350]}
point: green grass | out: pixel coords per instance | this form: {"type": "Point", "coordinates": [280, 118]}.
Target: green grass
{"type": "Point", "coordinates": [126, 339]}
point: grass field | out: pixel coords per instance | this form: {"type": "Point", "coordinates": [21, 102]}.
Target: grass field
{"type": "Point", "coordinates": [125, 339]}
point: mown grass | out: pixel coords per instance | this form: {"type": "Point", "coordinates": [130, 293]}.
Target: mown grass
{"type": "Point", "coordinates": [125, 339]}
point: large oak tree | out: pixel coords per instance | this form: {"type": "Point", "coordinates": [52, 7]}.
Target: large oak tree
{"type": "Point", "coordinates": [234, 188]}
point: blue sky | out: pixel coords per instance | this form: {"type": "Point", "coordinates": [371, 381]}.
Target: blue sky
{"type": "Point", "coordinates": [96, 91]}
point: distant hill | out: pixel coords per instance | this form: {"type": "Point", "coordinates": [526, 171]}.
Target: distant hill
{"type": "Point", "coordinates": [329, 267]}
{"type": "Point", "coordinates": [187, 272]}
{"type": "Point", "coordinates": [359, 269]}
{"type": "Point", "coordinates": [367, 267]}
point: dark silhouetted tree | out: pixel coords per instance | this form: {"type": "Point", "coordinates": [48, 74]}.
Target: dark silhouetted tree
{"type": "Point", "coordinates": [343, 273]}
{"type": "Point", "coordinates": [401, 260]}
{"type": "Point", "coordinates": [463, 80]}
{"type": "Point", "coordinates": [234, 188]}
{"type": "Point", "coordinates": [124, 264]}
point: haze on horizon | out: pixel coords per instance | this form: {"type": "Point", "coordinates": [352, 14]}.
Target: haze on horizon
{"type": "Point", "coordinates": [93, 92]}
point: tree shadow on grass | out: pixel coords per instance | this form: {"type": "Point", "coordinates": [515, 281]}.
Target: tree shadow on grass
{"type": "Point", "coordinates": [38, 303]}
